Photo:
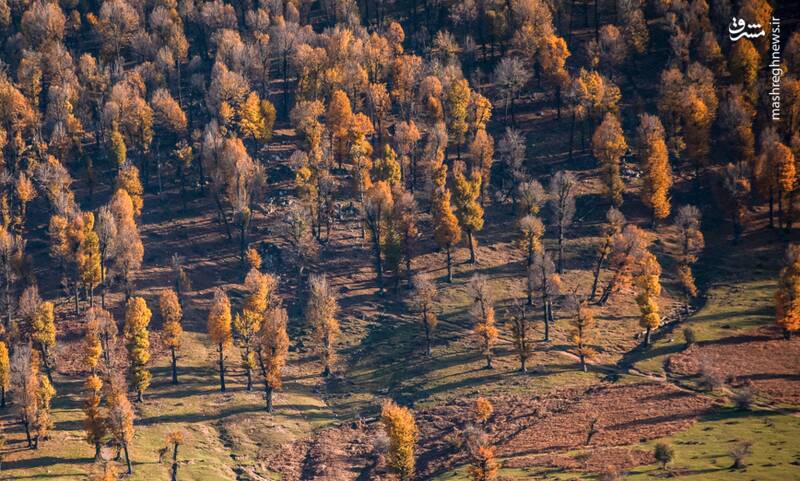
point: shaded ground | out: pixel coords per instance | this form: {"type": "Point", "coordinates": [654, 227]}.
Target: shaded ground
{"type": "Point", "coordinates": [528, 431]}
{"type": "Point", "coordinates": [763, 360]}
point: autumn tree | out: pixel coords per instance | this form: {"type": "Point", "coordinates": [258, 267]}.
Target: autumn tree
{"type": "Point", "coordinates": [648, 284]}
{"type": "Point", "coordinates": [776, 173]}
{"type": "Point", "coordinates": [519, 323]}
{"type": "Point", "coordinates": [33, 395]}
{"type": "Point", "coordinates": [446, 230]}
{"type": "Point", "coordinates": [171, 314]}
{"type": "Point", "coordinates": [483, 317]}
{"type": "Point", "coordinates": [627, 250]}
{"type": "Point", "coordinates": [531, 230]}
{"type": "Point", "coordinates": [653, 155]}
{"type": "Point", "coordinates": [404, 224]}
{"type": "Point", "coordinates": [688, 246]}
{"type": "Point", "coordinates": [561, 193]}
{"type": "Point", "coordinates": [401, 429]}
{"type": "Point", "coordinates": [466, 197]}
{"type": "Point", "coordinates": [25, 381]}
{"type": "Point", "coordinates": [219, 329]}
{"type": "Point", "coordinates": [484, 464]}
{"type": "Point", "coordinates": [608, 147]}
{"type": "Point", "coordinates": [95, 423]}
{"type": "Point", "coordinates": [338, 117]}
{"type": "Point", "coordinates": [5, 373]}
{"type": "Point", "coordinates": [129, 250]}
{"type": "Point", "coordinates": [481, 150]}
{"type": "Point", "coordinates": [137, 341]}
{"type": "Point", "coordinates": [787, 296]}
{"type": "Point", "coordinates": [120, 416]}
{"type": "Point", "coordinates": [260, 289]}
{"type": "Point", "coordinates": [615, 221]}
{"type": "Point", "coordinates": [456, 104]}
{"type": "Point", "coordinates": [544, 280]}
{"type": "Point", "coordinates": [583, 325]}
{"type": "Point", "coordinates": [378, 204]}
{"type": "Point", "coordinates": [483, 410]}
{"type": "Point", "coordinates": [321, 311]}
{"type": "Point", "coordinates": [273, 349]}
{"type": "Point", "coordinates": [744, 64]}
{"type": "Point", "coordinates": [43, 333]}
{"type": "Point", "coordinates": [92, 341]}
{"type": "Point", "coordinates": [423, 301]}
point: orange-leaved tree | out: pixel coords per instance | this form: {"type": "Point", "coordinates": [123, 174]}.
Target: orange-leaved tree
{"type": "Point", "coordinates": [608, 147]}
{"type": "Point", "coordinates": [446, 230]}
{"type": "Point", "coordinates": [273, 349]}
{"type": "Point", "coordinates": [400, 427]}
{"type": "Point", "coordinates": [219, 329]}
{"type": "Point", "coordinates": [787, 297]}
{"type": "Point", "coordinates": [171, 314]}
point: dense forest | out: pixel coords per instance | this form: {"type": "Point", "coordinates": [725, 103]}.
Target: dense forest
{"type": "Point", "coordinates": [347, 240]}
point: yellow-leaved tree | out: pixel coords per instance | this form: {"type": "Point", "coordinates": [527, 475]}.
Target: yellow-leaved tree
{"type": "Point", "coordinates": [446, 230]}
{"type": "Point", "coordinates": [273, 349]}
{"type": "Point", "coordinates": [260, 291]}
{"type": "Point", "coordinates": [5, 373]}
{"type": "Point", "coordinates": [137, 340]}
{"type": "Point", "coordinates": [400, 427]}
{"type": "Point", "coordinates": [466, 196]}
{"type": "Point", "coordinates": [95, 424]}
{"type": "Point", "coordinates": [648, 283]}
{"type": "Point", "coordinates": [171, 314]}
{"type": "Point", "coordinates": [608, 147]}
{"type": "Point", "coordinates": [652, 153]}
{"type": "Point", "coordinates": [219, 329]}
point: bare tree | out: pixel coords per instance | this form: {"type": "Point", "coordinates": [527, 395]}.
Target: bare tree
{"type": "Point", "coordinates": [562, 191]}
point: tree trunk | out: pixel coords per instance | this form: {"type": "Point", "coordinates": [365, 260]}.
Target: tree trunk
{"type": "Point", "coordinates": [560, 248]}
{"type": "Point", "coordinates": [248, 371]}
{"type": "Point", "coordinates": [571, 134]}
{"type": "Point", "coordinates": [546, 314]}
{"type": "Point", "coordinates": [127, 458]}
{"type": "Point", "coordinates": [647, 337]}
{"type": "Point", "coordinates": [449, 266]}
{"type": "Point", "coordinates": [175, 463]}
{"type": "Point", "coordinates": [471, 242]}
{"type": "Point", "coordinates": [174, 367]}
{"type": "Point", "coordinates": [268, 396]}
{"type": "Point", "coordinates": [428, 348]}
{"type": "Point", "coordinates": [221, 368]}
{"type": "Point", "coordinates": [600, 260]}
{"type": "Point", "coordinates": [27, 425]}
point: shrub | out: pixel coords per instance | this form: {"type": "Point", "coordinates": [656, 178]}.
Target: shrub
{"type": "Point", "coordinates": [664, 454]}
{"type": "Point", "coordinates": [689, 336]}
{"type": "Point", "coordinates": [739, 453]}
{"type": "Point", "coordinates": [743, 398]}
{"type": "Point", "coordinates": [710, 378]}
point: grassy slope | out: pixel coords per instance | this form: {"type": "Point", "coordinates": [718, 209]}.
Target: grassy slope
{"type": "Point", "coordinates": [224, 431]}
